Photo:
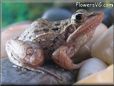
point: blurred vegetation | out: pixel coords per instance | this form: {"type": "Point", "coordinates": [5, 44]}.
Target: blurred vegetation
{"type": "Point", "coordinates": [16, 12]}
{"type": "Point", "coordinates": [22, 11]}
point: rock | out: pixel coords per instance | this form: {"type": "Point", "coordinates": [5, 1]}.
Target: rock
{"type": "Point", "coordinates": [11, 75]}
{"type": "Point", "coordinates": [100, 29]}
{"type": "Point", "coordinates": [103, 47]}
{"type": "Point", "coordinates": [91, 66]}
{"type": "Point", "coordinates": [109, 16]}
{"type": "Point", "coordinates": [103, 77]}
{"type": "Point", "coordinates": [55, 14]}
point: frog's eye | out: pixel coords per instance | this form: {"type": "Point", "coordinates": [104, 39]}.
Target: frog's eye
{"type": "Point", "coordinates": [77, 18]}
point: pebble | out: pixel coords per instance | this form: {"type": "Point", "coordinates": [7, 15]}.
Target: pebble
{"type": "Point", "coordinates": [103, 46]}
{"type": "Point", "coordinates": [55, 14]}
{"type": "Point", "coordinates": [92, 65]}
{"type": "Point", "coordinates": [10, 75]}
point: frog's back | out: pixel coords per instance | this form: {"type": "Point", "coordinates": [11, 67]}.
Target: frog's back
{"type": "Point", "coordinates": [49, 35]}
{"type": "Point", "coordinates": [34, 30]}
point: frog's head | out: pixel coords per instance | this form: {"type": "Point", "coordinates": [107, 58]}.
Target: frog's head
{"type": "Point", "coordinates": [81, 16]}
{"type": "Point", "coordinates": [87, 23]}
{"type": "Point", "coordinates": [24, 53]}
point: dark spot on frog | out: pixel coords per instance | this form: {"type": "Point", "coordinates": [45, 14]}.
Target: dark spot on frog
{"type": "Point", "coordinates": [69, 31]}
{"type": "Point", "coordinates": [44, 23]}
{"type": "Point", "coordinates": [58, 41]}
{"type": "Point", "coordinates": [36, 31]}
{"type": "Point", "coordinates": [45, 30]}
{"type": "Point", "coordinates": [11, 54]}
{"type": "Point", "coordinates": [55, 29]}
{"type": "Point", "coordinates": [55, 40]}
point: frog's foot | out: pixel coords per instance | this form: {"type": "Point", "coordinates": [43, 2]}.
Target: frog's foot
{"type": "Point", "coordinates": [62, 57]}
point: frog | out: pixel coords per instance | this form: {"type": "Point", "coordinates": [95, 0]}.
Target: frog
{"type": "Point", "coordinates": [57, 40]}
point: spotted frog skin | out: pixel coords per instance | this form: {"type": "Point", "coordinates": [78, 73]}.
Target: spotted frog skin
{"type": "Point", "coordinates": [59, 40]}
{"type": "Point", "coordinates": [51, 35]}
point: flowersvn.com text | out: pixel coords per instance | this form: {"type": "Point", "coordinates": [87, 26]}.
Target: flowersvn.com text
{"type": "Point", "coordinates": [96, 4]}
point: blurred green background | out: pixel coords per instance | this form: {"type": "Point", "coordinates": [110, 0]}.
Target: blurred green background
{"type": "Point", "coordinates": [16, 12]}
{"type": "Point", "coordinates": [24, 11]}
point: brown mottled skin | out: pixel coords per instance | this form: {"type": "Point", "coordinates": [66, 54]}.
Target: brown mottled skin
{"type": "Point", "coordinates": [58, 40]}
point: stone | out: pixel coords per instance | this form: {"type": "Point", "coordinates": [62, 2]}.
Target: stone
{"type": "Point", "coordinates": [91, 66]}
{"type": "Point", "coordinates": [56, 14]}
{"type": "Point", "coordinates": [15, 76]}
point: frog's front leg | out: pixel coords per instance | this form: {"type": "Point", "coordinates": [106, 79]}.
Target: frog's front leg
{"type": "Point", "coordinates": [62, 56]}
